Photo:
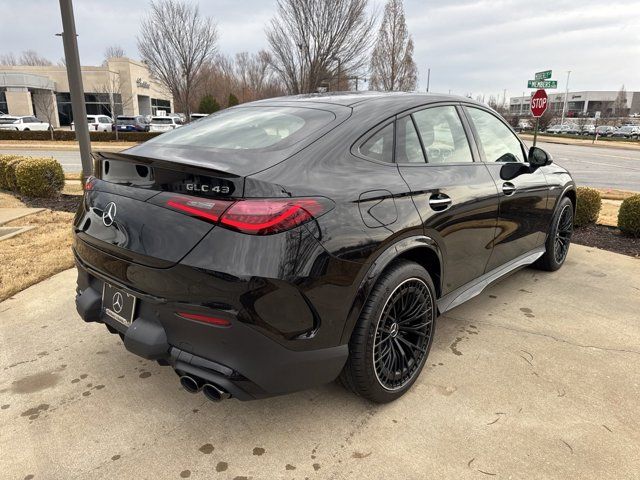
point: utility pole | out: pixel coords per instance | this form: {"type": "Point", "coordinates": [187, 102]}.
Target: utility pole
{"type": "Point", "coordinates": [74, 74]}
{"type": "Point", "coordinates": [428, 78]}
{"type": "Point", "coordinates": [566, 96]}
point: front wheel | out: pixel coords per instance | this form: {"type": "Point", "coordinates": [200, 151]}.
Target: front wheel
{"type": "Point", "coordinates": [393, 336]}
{"type": "Point", "coordinates": [559, 238]}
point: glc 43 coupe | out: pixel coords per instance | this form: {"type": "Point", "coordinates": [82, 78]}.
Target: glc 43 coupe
{"type": "Point", "coordinates": [284, 243]}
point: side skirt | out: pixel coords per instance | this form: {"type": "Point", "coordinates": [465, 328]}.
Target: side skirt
{"type": "Point", "coordinates": [475, 287]}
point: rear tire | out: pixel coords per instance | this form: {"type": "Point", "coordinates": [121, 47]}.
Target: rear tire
{"type": "Point", "coordinates": [391, 341]}
{"type": "Point", "coordinates": [559, 238]}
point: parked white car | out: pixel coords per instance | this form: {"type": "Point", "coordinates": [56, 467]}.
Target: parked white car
{"type": "Point", "coordinates": [97, 123]}
{"type": "Point", "coordinates": [164, 124]}
{"type": "Point", "coordinates": [23, 124]}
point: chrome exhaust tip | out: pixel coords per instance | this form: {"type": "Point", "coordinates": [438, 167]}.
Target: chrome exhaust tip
{"type": "Point", "coordinates": [215, 393]}
{"type": "Point", "coordinates": [190, 384]}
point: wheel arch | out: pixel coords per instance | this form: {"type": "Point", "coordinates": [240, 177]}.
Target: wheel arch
{"type": "Point", "coordinates": [420, 249]}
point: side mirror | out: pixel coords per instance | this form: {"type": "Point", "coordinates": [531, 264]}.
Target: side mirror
{"type": "Point", "coordinates": [539, 158]}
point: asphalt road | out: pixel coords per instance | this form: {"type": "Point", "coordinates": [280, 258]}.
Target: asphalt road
{"type": "Point", "coordinates": [590, 166]}
{"type": "Point", "coordinates": [535, 378]}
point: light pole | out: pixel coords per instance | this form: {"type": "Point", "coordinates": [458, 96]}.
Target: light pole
{"type": "Point", "coordinates": [337, 59]}
{"type": "Point", "coordinates": [428, 78]}
{"type": "Point", "coordinates": [566, 95]}
{"type": "Point", "coordinates": [74, 74]}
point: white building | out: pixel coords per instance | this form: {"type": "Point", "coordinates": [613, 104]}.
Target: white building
{"type": "Point", "coordinates": [584, 103]}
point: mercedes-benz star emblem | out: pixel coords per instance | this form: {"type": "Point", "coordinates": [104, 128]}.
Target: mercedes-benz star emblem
{"type": "Point", "coordinates": [109, 214]}
{"type": "Point", "coordinates": [117, 302]}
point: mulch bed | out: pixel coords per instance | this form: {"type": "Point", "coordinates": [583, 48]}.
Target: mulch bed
{"type": "Point", "coordinates": [64, 203]}
{"type": "Point", "coordinates": [606, 238]}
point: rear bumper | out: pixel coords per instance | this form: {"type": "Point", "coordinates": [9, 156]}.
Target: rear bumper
{"type": "Point", "coordinates": [240, 358]}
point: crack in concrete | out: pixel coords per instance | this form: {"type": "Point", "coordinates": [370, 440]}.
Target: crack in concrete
{"type": "Point", "coordinates": [546, 335]}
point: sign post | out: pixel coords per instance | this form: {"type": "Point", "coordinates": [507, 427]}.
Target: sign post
{"type": "Point", "coordinates": [538, 106]}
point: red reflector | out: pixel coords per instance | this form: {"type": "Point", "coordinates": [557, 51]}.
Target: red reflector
{"type": "Point", "coordinates": [220, 322]}
{"type": "Point", "coordinates": [267, 216]}
{"type": "Point", "coordinates": [200, 207]}
{"type": "Point", "coordinates": [89, 183]}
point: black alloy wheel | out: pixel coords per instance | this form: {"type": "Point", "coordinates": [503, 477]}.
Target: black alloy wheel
{"type": "Point", "coordinates": [559, 237]}
{"type": "Point", "coordinates": [391, 341]}
{"type": "Point", "coordinates": [563, 233]}
{"type": "Point", "coordinates": [403, 333]}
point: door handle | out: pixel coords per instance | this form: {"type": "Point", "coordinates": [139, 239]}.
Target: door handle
{"type": "Point", "coordinates": [439, 202]}
{"type": "Point", "coordinates": [508, 188]}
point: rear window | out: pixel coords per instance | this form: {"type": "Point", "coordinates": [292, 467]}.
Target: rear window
{"type": "Point", "coordinates": [161, 121]}
{"type": "Point", "coordinates": [250, 128]}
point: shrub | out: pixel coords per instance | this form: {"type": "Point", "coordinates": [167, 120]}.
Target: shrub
{"type": "Point", "coordinates": [4, 163]}
{"type": "Point", "coordinates": [70, 136]}
{"type": "Point", "coordinates": [232, 101]}
{"type": "Point", "coordinates": [588, 206]}
{"type": "Point", "coordinates": [629, 216]}
{"type": "Point", "coordinates": [40, 177]}
{"type": "Point", "coordinates": [10, 172]}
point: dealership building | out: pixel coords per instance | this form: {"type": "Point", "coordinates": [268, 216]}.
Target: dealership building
{"type": "Point", "coordinates": [43, 91]}
{"type": "Point", "coordinates": [579, 104]}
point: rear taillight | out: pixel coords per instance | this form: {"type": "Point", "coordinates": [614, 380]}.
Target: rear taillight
{"type": "Point", "coordinates": [89, 183]}
{"type": "Point", "coordinates": [264, 217]}
{"type": "Point", "coordinates": [253, 216]}
{"type": "Point", "coordinates": [204, 208]}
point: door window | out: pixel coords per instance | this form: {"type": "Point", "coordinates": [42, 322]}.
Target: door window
{"type": "Point", "coordinates": [443, 135]}
{"type": "Point", "coordinates": [408, 148]}
{"type": "Point", "coordinates": [380, 145]}
{"type": "Point", "coordinates": [496, 139]}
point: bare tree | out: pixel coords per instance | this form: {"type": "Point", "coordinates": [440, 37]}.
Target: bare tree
{"type": "Point", "coordinates": [8, 59]}
{"type": "Point", "coordinates": [45, 106]}
{"type": "Point", "coordinates": [620, 103]}
{"type": "Point", "coordinates": [113, 51]}
{"type": "Point", "coordinates": [113, 88]}
{"type": "Point", "coordinates": [392, 65]}
{"type": "Point", "coordinates": [177, 55]}
{"type": "Point", "coordinates": [310, 39]}
{"type": "Point", "coordinates": [33, 58]}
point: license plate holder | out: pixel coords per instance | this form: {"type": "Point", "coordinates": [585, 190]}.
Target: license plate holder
{"type": "Point", "coordinates": [118, 304]}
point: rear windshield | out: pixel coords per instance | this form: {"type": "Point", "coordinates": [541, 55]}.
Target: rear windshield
{"type": "Point", "coordinates": [126, 119]}
{"type": "Point", "coordinates": [250, 128]}
{"type": "Point", "coordinates": [161, 121]}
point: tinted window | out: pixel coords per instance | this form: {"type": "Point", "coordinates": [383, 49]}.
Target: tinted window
{"type": "Point", "coordinates": [250, 128]}
{"type": "Point", "coordinates": [408, 148]}
{"type": "Point", "coordinates": [380, 145]}
{"type": "Point", "coordinates": [497, 141]}
{"type": "Point", "coordinates": [442, 135]}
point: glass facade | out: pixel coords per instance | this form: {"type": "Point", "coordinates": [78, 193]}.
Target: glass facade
{"type": "Point", "coordinates": [157, 104]}
{"type": "Point", "coordinates": [3, 103]}
{"type": "Point", "coordinates": [96, 104]}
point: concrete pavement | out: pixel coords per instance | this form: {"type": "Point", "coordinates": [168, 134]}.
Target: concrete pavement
{"type": "Point", "coordinates": [536, 378]}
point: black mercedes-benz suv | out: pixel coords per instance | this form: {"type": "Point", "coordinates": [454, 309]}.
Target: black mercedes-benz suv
{"type": "Point", "coordinates": [284, 243]}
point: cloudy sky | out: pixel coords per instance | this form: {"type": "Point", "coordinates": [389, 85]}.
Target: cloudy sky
{"type": "Point", "coordinates": [477, 47]}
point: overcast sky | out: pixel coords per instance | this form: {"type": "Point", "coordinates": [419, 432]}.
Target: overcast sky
{"type": "Point", "coordinates": [471, 46]}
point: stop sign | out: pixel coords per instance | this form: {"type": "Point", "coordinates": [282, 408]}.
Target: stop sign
{"type": "Point", "coordinates": [538, 103]}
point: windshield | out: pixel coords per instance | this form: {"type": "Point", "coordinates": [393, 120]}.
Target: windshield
{"type": "Point", "coordinates": [8, 120]}
{"type": "Point", "coordinates": [250, 128]}
{"type": "Point", "coordinates": [626, 129]}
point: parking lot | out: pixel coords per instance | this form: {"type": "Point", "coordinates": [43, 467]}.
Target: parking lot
{"type": "Point", "coordinates": [535, 378]}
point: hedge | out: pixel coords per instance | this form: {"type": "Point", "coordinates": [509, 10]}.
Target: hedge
{"type": "Point", "coordinates": [39, 177]}
{"type": "Point", "coordinates": [10, 181]}
{"type": "Point", "coordinates": [4, 165]}
{"type": "Point", "coordinates": [588, 206]}
{"type": "Point", "coordinates": [69, 135]}
{"type": "Point", "coordinates": [629, 216]}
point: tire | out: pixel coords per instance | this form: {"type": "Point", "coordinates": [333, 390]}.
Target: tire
{"type": "Point", "coordinates": [377, 336]}
{"type": "Point", "coordinates": [559, 238]}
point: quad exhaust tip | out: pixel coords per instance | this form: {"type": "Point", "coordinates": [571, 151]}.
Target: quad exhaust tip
{"type": "Point", "coordinates": [214, 393]}
{"type": "Point", "coordinates": [190, 384]}
{"type": "Point", "coordinates": [211, 391]}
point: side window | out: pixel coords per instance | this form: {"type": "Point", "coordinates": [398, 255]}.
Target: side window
{"type": "Point", "coordinates": [408, 148]}
{"type": "Point", "coordinates": [443, 135]}
{"type": "Point", "coordinates": [380, 145]}
{"type": "Point", "coordinates": [497, 141]}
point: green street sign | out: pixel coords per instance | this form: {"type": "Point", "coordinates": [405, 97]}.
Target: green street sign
{"type": "Point", "coordinates": [543, 75]}
{"type": "Point", "coordinates": [542, 84]}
